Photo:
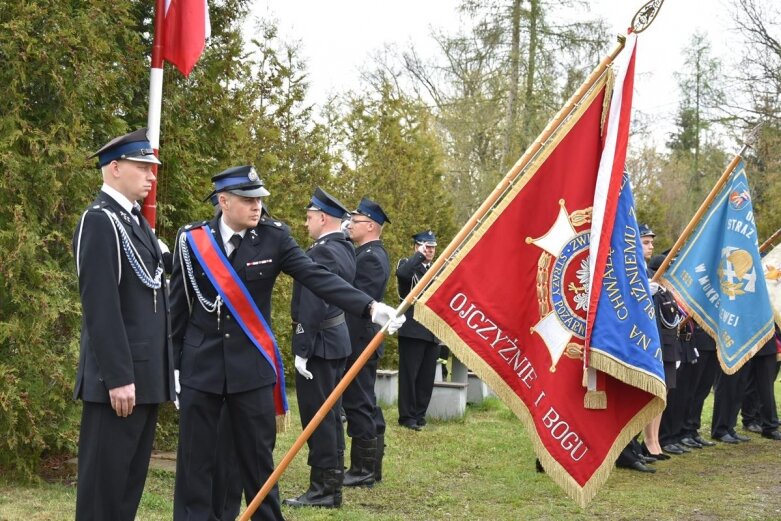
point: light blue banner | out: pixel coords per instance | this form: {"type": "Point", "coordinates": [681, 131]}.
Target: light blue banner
{"type": "Point", "coordinates": [718, 276]}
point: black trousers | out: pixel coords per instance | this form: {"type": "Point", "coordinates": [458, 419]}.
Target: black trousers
{"type": "Point", "coordinates": [702, 381]}
{"type": "Point", "coordinates": [364, 418]}
{"type": "Point", "coordinates": [327, 441]}
{"type": "Point", "coordinates": [226, 485]}
{"type": "Point", "coordinates": [671, 429]}
{"type": "Point", "coordinates": [417, 366]}
{"type": "Point", "coordinates": [253, 420]}
{"type": "Point", "coordinates": [728, 397]}
{"type": "Point", "coordinates": [759, 401]}
{"type": "Point", "coordinates": [114, 457]}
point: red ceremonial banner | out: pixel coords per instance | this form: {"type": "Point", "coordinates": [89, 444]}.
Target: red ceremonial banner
{"type": "Point", "coordinates": [511, 305]}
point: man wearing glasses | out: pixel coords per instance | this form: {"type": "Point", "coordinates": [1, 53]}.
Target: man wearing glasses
{"type": "Point", "coordinates": [365, 423]}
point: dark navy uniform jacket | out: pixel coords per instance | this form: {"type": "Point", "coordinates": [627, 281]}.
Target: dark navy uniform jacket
{"type": "Point", "coordinates": [314, 331]}
{"type": "Point", "coordinates": [212, 359]}
{"type": "Point", "coordinates": [372, 273]}
{"type": "Point", "coordinates": [408, 272]}
{"type": "Point", "coordinates": [124, 335]}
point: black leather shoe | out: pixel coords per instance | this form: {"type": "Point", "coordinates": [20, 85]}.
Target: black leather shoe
{"type": "Point", "coordinates": [641, 467]}
{"type": "Point", "coordinates": [727, 438]}
{"type": "Point", "coordinates": [661, 456]}
{"type": "Point", "coordinates": [702, 441]}
{"type": "Point", "coordinates": [753, 427]}
{"type": "Point", "coordinates": [740, 437]}
{"type": "Point", "coordinates": [412, 426]}
{"type": "Point", "coordinates": [772, 435]}
{"type": "Point", "coordinates": [688, 442]}
{"type": "Point", "coordinates": [684, 448]}
{"type": "Point", "coordinates": [672, 448]}
{"type": "Point", "coordinates": [647, 459]}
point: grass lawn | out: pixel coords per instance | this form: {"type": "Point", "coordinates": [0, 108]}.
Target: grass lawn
{"type": "Point", "coordinates": [483, 468]}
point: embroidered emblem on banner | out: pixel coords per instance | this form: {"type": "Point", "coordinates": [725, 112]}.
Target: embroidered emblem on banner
{"type": "Point", "coordinates": [737, 272]}
{"type": "Point", "coordinates": [563, 284]}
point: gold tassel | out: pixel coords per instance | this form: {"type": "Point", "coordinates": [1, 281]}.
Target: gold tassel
{"type": "Point", "coordinates": [283, 423]}
{"type": "Point", "coordinates": [595, 400]}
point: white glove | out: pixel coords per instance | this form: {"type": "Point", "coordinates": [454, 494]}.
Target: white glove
{"type": "Point", "coordinates": [384, 314]}
{"type": "Point", "coordinates": [654, 287]}
{"type": "Point", "coordinates": [177, 388]}
{"type": "Point", "coordinates": [421, 249]}
{"type": "Point", "coordinates": [163, 247]}
{"type": "Point", "coordinates": [301, 367]}
{"type": "Point", "coordinates": [345, 224]}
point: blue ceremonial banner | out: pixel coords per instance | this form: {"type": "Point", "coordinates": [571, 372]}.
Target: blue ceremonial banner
{"type": "Point", "coordinates": [718, 276]}
{"type": "Point", "coordinates": [625, 333]}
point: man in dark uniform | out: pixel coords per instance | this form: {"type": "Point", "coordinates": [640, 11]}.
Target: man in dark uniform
{"type": "Point", "coordinates": [365, 423]}
{"type": "Point", "coordinates": [702, 381]}
{"type": "Point", "coordinates": [418, 347]}
{"type": "Point", "coordinates": [126, 361]}
{"type": "Point", "coordinates": [219, 361]}
{"type": "Point", "coordinates": [321, 343]}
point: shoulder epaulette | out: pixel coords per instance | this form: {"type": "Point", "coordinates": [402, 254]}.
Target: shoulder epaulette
{"type": "Point", "coordinates": [193, 225]}
{"type": "Point", "coordinates": [273, 223]}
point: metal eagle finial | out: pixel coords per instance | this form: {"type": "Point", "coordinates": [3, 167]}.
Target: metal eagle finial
{"type": "Point", "coordinates": [645, 16]}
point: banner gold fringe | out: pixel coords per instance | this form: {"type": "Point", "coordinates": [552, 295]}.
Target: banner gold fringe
{"type": "Point", "coordinates": [581, 495]}
{"type": "Point", "coordinates": [595, 400]}
{"type": "Point", "coordinates": [283, 422]}
{"type": "Point", "coordinates": [649, 383]}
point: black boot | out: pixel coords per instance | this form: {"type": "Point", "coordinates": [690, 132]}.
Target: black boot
{"type": "Point", "coordinates": [379, 453]}
{"type": "Point", "coordinates": [325, 489]}
{"type": "Point", "coordinates": [363, 454]}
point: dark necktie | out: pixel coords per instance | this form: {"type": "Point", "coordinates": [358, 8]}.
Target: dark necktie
{"type": "Point", "coordinates": [235, 240]}
{"type": "Point", "coordinates": [136, 211]}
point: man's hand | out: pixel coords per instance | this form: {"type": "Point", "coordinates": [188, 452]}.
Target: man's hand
{"type": "Point", "coordinates": [301, 367]}
{"type": "Point", "coordinates": [384, 314]}
{"type": "Point", "coordinates": [123, 399]}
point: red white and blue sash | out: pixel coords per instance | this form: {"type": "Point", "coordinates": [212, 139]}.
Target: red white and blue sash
{"type": "Point", "coordinates": [235, 295]}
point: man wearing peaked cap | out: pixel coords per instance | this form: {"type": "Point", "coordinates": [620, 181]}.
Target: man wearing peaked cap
{"type": "Point", "coordinates": [321, 344]}
{"type": "Point", "coordinates": [126, 359]}
{"type": "Point", "coordinates": [365, 423]}
{"type": "Point", "coordinates": [238, 180]}
{"type": "Point", "coordinates": [220, 364]}
{"type": "Point", "coordinates": [418, 347]}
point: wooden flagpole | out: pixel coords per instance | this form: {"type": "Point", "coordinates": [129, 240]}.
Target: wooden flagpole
{"type": "Point", "coordinates": [695, 220]}
{"type": "Point", "coordinates": [640, 22]}
{"type": "Point", "coordinates": [770, 242]}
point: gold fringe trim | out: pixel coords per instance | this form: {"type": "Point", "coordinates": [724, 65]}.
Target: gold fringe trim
{"type": "Point", "coordinates": [531, 170]}
{"type": "Point", "coordinates": [283, 422]}
{"type": "Point", "coordinates": [581, 495]}
{"type": "Point", "coordinates": [610, 85]}
{"type": "Point", "coordinates": [649, 383]}
{"type": "Point", "coordinates": [595, 400]}
{"type": "Point", "coordinates": [698, 318]}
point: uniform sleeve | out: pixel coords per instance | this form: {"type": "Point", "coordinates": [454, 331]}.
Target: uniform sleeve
{"type": "Point", "coordinates": [180, 304]}
{"type": "Point", "coordinates": [407, 267]}
{"type": "Point", "coordinates": [99, 263]}
{"type": "Point", "coordinates": [326, 285]}
{"type": "Point", "coordinates": [312, 309]}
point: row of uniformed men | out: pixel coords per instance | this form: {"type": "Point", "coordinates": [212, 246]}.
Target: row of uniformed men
{"type": "Point", "coordinates": [206, 340]}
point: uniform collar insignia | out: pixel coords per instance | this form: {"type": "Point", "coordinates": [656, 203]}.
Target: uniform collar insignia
{"type": "Point", "coordinates": [125, 217]}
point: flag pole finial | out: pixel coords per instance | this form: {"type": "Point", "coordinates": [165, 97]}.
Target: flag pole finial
{"type": "Point", "coordinates": [646, 15]}
{"type": "Point", "coordinates": [751, 137]}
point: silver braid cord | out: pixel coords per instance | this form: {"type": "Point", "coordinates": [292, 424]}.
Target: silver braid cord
{"type": "Point", "coordinates": [134, 259]}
